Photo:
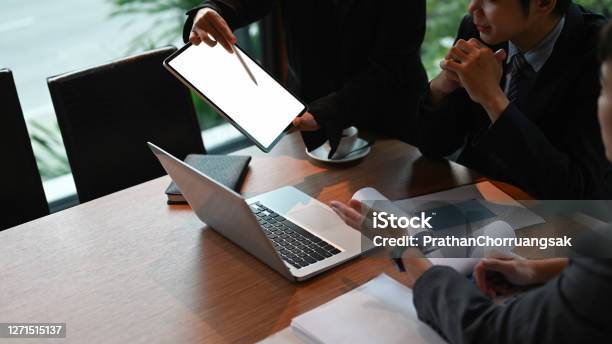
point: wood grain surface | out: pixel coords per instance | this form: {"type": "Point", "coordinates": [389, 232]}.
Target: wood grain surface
{"type": "Point", "coordinates": [129, 268]}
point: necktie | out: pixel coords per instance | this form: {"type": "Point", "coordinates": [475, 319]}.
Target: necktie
{"type": "Point", "coordinates": [518, 71]}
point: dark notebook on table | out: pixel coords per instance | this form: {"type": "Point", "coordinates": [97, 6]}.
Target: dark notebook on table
{"type": "Point", "coordinates": [228, 170]}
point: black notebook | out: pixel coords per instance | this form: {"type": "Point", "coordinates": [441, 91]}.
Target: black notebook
{"type": "Point", "coordinates": [228, 170]}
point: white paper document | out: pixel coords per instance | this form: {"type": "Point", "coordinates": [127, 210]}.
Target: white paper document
{"type": "Point", "coordinates": [487, 196]}
{"type": "Point", "coordinates": [380, 311]}
{"type": "Point", "coordinates": [507, 215]}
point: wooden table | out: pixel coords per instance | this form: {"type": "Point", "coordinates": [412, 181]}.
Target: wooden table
{"type": "Point", "coordinates": [129, 268]}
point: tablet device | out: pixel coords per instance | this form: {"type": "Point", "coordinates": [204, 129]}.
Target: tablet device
{"type": "Point", "coordinates": [239, 89]}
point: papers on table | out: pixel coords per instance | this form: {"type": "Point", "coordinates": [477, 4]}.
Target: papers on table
{"type": "Point", "coordinates": [490, 211]}
{"type": "Point", "coordinates": [484, 198]}
{"type": "Point", "coordinates": [379, 311]}
{"type": "Point", "coordinates": [485, 195]}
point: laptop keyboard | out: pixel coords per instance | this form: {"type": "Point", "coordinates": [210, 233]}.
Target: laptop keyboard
{"type": "Point", "coordinates": [295, 245]}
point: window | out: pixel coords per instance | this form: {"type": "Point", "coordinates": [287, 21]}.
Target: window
{"type": "Point", "coordinates": [39, 39]}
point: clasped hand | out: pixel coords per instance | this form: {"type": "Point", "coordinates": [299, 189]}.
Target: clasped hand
{"type": "Point", "coordinates": [475, 67]}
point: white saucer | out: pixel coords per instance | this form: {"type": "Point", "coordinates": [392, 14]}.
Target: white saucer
{"type": "Point", "coordinates": [322, 153]}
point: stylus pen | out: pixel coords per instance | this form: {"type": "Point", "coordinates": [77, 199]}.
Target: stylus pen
{"type": "Point", "coordinates": [246, 68]}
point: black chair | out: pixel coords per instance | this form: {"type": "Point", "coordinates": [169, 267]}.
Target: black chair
{"type": "Point", "coordinates": [22, 197]}
{"type": "Point", "coordinates": [106, 114]}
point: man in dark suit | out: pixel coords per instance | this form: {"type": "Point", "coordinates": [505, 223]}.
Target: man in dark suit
{"type": "Point", "coordinates": [353, 62]}
{"type": "Point", "coordinates": [517, 96]}
{"type": "Point", "coordinates": [573, 303]}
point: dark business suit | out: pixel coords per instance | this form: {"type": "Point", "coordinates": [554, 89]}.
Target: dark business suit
{"type": "Point", "coordinates": [353, 62]}
{"type": "Point", "coordinates": [575, 307]}
{"type": "Point", "coordinates": [549, 142]}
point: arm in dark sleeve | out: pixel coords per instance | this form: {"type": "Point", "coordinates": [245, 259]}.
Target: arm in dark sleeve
{"type": "Point", "coordinates": [541, 168]}
{"type": "Point", "coordinates": [571, 308]}
{"type": "Point", "coordinates": [442, 130]}
{"type": "Point", "coordinates": [392, 75]}
{"type": "Point", "coordinates": [236, 13]}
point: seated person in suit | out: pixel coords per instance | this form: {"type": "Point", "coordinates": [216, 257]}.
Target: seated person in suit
{"type": "Point", "coordinates": [517, 96]}
{"type": "Point", "coordinates": [572, 305]}
{"type": "Point", "coordinates": [353, 62]}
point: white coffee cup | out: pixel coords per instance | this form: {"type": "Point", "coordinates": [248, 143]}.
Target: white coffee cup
{"type": "Point", "coordinates": [348, 143]}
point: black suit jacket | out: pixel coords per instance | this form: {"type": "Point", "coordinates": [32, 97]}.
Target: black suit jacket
{"type": "Point", "coordinates": [549, 144]}
{"type": "Point", "coordinates": [575, 307]}
{"type": "Point", "coordinates": [353, 62]}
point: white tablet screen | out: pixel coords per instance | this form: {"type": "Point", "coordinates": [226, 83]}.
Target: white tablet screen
{"type": "Point", "coordinates": [261, 110]}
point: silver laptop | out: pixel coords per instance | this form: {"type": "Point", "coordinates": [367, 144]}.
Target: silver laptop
{"type": "Point", "coordinates": [291, 232]}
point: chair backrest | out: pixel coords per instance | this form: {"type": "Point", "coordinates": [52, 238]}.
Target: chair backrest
{"type": "Point", "coordinates": [107, 114]}
{"type": "Point", "coordinates": [22, 197]}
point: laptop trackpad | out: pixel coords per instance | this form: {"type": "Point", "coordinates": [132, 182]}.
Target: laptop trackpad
{"type": "Point", "coordinates": [321, 220]}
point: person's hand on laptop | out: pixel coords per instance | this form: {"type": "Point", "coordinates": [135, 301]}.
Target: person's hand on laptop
{"type": "Point", "coordinates": [306, 122]}
{"type": "Point", "coordinates": [351, 214]}
{"type": "Point", "coordinates": [209, 27]}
